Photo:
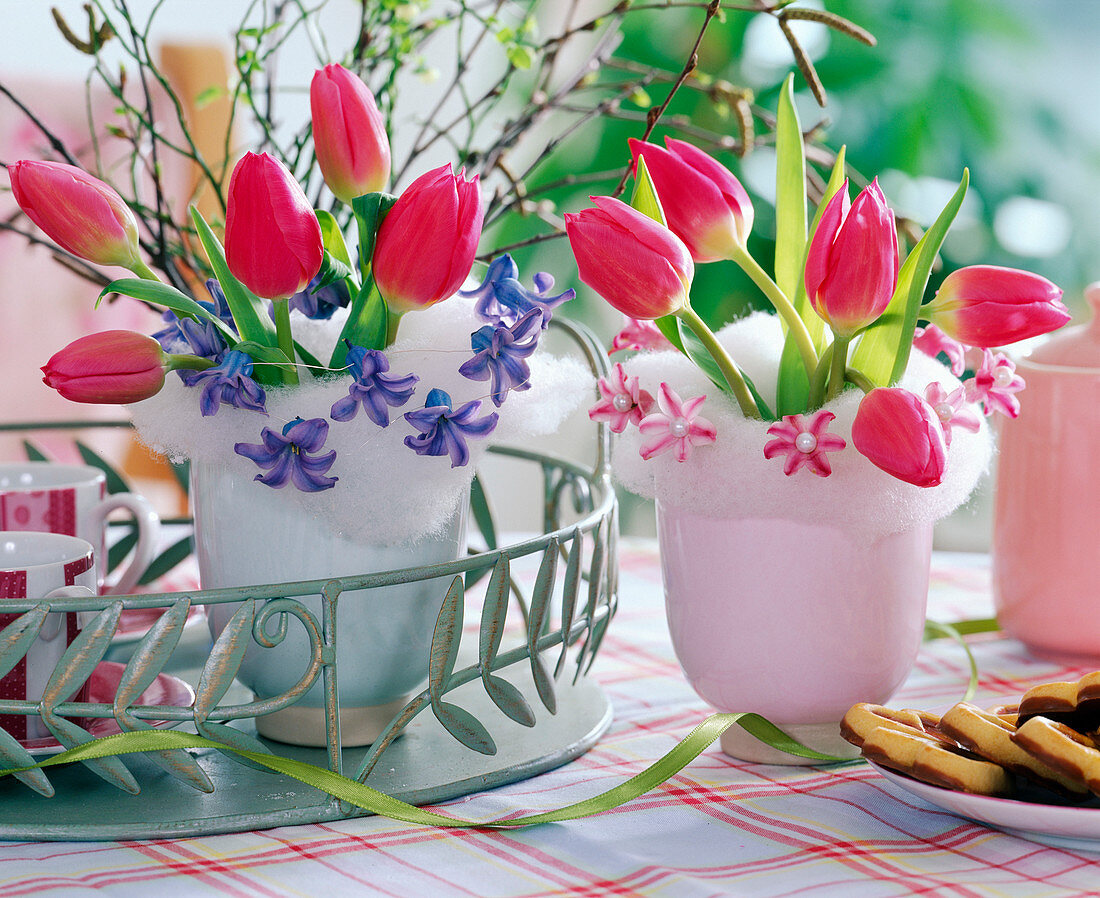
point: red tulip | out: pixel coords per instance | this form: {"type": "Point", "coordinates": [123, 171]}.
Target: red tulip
{"type": "Point", "coordinates": [79, 213]}
{"type": "Point", "coordinates": [986, 306]}
{"type": "Point", "coordinates": [901, 433]}
{"type": "Point", "coordinates": [272, 239]}
{"type": "Point", "coordinates": [704, 204]}
{"type": "Point", "coordinates": [112, 366]}
{"type": "Point", "coordinates": [349, 135]}
{"type": "Point", "coordinates": [635, 263]}
{"type": "Point", "coordinates": [426, 244]}
{"type": "Point", "coordinates": [852, 263]}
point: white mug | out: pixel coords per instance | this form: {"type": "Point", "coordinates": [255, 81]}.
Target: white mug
{"type": "Point", "coordinates": [72, 500]}
{"type": "Point", "coordinates": [37, 566]}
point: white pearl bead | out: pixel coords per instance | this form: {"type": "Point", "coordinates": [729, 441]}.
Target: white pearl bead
{"type": "Point", "coordinates": [622, 402]}
{"type": "Point", "coordinates": [1002, 377]}
{"type": "Point", "coordinates": [944, 411]}
{"type": "Point", "coordinates": [680, 428]}
{"type": "Point", "coordinates": [805, 442]}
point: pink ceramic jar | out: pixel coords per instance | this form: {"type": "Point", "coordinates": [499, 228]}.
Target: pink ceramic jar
{"type": "Point", "coordinates": [1046, 543]}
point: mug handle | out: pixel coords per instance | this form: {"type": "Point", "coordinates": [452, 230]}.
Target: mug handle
{"type": "Point", "coordinates": [48, 632]}
{"type": "Point", "coordinates": [148, 524]}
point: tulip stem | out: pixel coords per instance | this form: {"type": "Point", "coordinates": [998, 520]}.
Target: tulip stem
{"type": "Point", "coordinates": [726, 365]}
{"type": "Point", "coordinates": [281, 309]}
{"type": "Point", "coordinates": [143, 271]}
{"type": "Point", "coordinates": [194, 362]}
{"type": "Point", "coordinates": [860, 379]}
{"type": "Point", "coordinates": [393, 321]}
{"type": "Point", "coordinates": [782, 305]}
{"type": "Point", "coordinates": [839, 366]}
{"type": "Point", "coordinates": [819, 380]}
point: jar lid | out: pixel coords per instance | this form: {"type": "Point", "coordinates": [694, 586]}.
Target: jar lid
{"type": "Point", "coordinates": [1075, 347]}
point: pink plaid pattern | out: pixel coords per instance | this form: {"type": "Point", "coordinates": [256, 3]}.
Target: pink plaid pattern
{"type": "Point", "coordinates": [718, 828]}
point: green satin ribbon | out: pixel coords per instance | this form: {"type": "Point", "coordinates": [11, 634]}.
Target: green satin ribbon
{"type": "Point", "coordinates": [363, 796]}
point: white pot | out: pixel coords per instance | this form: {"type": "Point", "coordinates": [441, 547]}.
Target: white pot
{"type": "Point", "coordinates": [250, 534]}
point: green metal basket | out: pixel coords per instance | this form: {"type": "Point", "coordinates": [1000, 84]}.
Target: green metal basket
{"type": "Point", "coordinates": [541, 644]}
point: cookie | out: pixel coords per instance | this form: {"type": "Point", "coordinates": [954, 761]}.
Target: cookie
{"type": "Point", "coordinates": [990, 736]}
{"type": "Point", "coordinates": [1076, 704]}
{"type": "Point", "coordinates": [1072, 754]}
{"type": "Point", "coordinates": [933, 761]}
{"type": "Point", "coordinates": [864, 717]}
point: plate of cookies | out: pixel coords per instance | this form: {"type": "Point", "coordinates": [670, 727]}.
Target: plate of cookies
{"type": "Point", "coordinates": [1031, 769]}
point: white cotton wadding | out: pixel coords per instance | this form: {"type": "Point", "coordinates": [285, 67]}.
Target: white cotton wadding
{"type": "Point", "coordinates": [733, 478]}
{"type": "Point", "coordinates": [386, 493]}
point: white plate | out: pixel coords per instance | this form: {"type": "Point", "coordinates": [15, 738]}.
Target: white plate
{"type": "Point", "coordinates": [1064, 826]}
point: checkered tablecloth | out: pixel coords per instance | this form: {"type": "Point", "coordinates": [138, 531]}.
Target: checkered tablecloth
{"type": "Point", "coordinates": [717, 828]}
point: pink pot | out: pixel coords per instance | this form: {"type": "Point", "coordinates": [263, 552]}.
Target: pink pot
{"type": "Point", "coordinates": [792, 620]}
{"type": "Point", "coordinates": [1045, 540]}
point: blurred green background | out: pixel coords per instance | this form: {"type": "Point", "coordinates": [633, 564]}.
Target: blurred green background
{"type": "Point", "coordinates": [1006, 89]}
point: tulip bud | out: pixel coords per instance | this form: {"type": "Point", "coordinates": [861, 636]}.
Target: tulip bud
{"type": "Point", "coordinates": [79, 213]}
{"type": "Point", "coordinates": [273, 242]}
{"type": "Point", "coordinates": [635, 263]}
{"type": "Point", "coordinates": [704, 204]}
{"type": "Point", "coordinates": [426, 244]}
{"type": "Point", "coordinates": [852, 262]}
{"type": "Point", "coordinates": [986, 306]}
{"type": "Point", "coordinates": [112, 366]}
{"type": "Point", "coordinates": [349, 135]}
{"type": "Point", "coordinates": [901, 433]}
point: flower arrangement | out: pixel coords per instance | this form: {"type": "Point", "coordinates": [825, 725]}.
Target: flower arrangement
{"type": "Point", "coordinates": [848, 308]}
{"type": "Point", "coordinates": [295, 341]}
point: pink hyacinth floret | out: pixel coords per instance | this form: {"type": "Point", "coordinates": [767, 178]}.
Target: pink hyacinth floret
{"type": "Point", "coordinates": [951, 408]}
{"type": "Point", "coordinates": [624, 401]}
{"type": "Point", "coordinates": [676, 426]}
{"type": "Point", "coordinates": [639, 335]}
{"type": "Point", "coordinates": [932, 341]}
{"type": "Point", "coordinates": [994, 384]}
{"type": "Point", "coordinates": [804, 443]}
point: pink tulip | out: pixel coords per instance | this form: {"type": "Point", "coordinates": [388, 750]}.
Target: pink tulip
{"type": "Point", "coordinates": [272, 239]}
{"type": "Point", "coordinates": [986, 306]}
{"type": "Point", "coordinates": [852, 263]}
{"type": "Point", "coordinates": [426, 244]}
{"type": "Point", "coordinates": [901, 433]}
{"type": "Point", "coordinates": [349, 135]}
{"type": "Point", "coordinates": [635, 263]}
{"type": "Point", "coordinates": [112, 366]}
{"type": "Point", "coordinates": [79, 213]}
{"type": "Point", "coordinates": [704, 204]}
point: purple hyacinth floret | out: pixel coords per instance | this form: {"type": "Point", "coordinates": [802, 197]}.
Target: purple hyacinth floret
{"type": "Point", "coordinates": [500, 354]}
{"type": "Point", "coordinates": [227, 383]}
{"type": "Point", "coordinates": [202, 338]}
{"type": "Point", "coordinates": [502, 299]}
{"type": "Point", "coordinates": [290, 456]}
{"type": "Point", "coordinates": [443, 431]}
{"type": "Point", "coordinates": [375, 390]}
{"type": "Point", "coordinates": [321, 303]}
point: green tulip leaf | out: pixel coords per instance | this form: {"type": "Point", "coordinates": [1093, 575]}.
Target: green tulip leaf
{"type": "Point", "coordinates": [33, 453]}
{"type": "Point", "coordinates": [115, 481]}
{"type": "Point", "coordinates": [249, 312]}
{"type": "Point", "coordinates": [366, 325]}
{"type": "Point", "coordinates": [645, 198]}
{"type": "Point", "coordinates": [790, 193]}
{"type": "Point", "coordinates": [168, 297]}
{"type": "Point", "coordinates": [333, 238]}
{"type": "Point", "coordinates": [270, 362]}
{"type": "Point", "coordinates": [883, 351]}
{"type": "Point", "coordinates": [793, 388]}
{"type": "Point", "coordinates": [332, 270]}
{"type": "Point", "coordinates": [370, 211]}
